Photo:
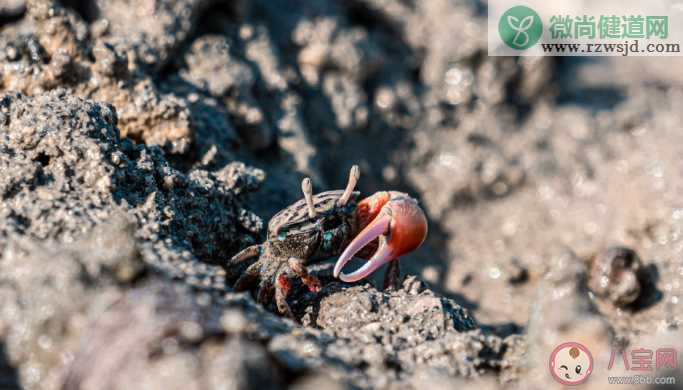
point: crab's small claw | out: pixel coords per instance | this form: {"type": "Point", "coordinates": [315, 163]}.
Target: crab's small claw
{"type": "Point", "coordinates": [395, 220]}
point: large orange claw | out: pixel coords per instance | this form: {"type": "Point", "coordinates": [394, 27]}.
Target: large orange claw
{"type": "Point", "coordinates": [396, 220]}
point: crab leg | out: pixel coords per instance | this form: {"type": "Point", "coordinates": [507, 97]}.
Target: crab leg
{"type": "Point", "coordinates": [245, 254]}
{"type": "Point", "coordinates": [391, 277]}
{"type": "Point", "coordinates": [307, 189]}
{"type": "Point", "coordinates": [283, 285]}
{"type": "Point", "coordinates": [299, 268]}
{"type": "Point", "coordinates": [354, 175]}
{"type": "Point", "coordinates": [248, 278]}
{"type": "Point", "coordinates": [266, 291]}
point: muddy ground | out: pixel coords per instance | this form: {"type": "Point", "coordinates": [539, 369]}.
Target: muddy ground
{"type": "Point", "coordinates": [144, 142]}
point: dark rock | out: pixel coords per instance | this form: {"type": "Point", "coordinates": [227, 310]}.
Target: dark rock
{"type": "Point", "coordinates": [128, 131]}
{"type": "Point", "coordinates": [614, 276]}
{"type": "Point", "coordinates": [66, 170]}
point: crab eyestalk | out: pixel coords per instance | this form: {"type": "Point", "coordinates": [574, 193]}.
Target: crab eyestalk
{"type": "Point", "coordinates": [392, 218]}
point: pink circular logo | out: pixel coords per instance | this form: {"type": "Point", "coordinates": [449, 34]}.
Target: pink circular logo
{"type": "Point", "coordinates": [571, 363]}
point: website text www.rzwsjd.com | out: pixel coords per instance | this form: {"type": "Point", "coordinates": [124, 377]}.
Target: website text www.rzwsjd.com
{"type": "Point", "coordinates": [641, 380]}
{"type": "Point", "coordinates": [624, 48]}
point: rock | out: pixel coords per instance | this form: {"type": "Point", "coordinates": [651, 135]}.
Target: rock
{"type": "Point", "coordinates": [12, 8]}
{"type": "Point", "coordinates": [128, 135]}
{"type": "Point", "coordinates": [212, 67]}
{"type": "Point", "coordinates": [49, 291]}
{"type": "Point", "coordinates": [614, 276]}
{"type": "Point", "coordinates": [148, 328]}
{"type": "Point", "coordinates": [66, 170]}
{"type": "Point", "coordinates": [149, 32]}
{"type": "Point", "coordinates": [562, 313]}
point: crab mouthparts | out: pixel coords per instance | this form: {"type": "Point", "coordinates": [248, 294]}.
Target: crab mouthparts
{"type": "Point", "coordinates": [400, 227]}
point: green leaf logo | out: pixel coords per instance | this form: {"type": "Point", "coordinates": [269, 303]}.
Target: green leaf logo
{"type": "Point", "coordinates": [520, 27]}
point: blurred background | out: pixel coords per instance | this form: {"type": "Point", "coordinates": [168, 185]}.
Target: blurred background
{"type": "Point", "coordinates": [553, 188]}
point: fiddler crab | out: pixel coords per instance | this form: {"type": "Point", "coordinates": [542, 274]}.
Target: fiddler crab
{"type": "Point", "coordinates": [379, 228]}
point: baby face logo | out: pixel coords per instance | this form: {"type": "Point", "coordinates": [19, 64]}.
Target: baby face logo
{"type": "Point", "coordinates": [571, 363]}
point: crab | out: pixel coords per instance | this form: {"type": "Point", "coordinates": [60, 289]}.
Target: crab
{"type": "Point", "coordinates": [379, 228]}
